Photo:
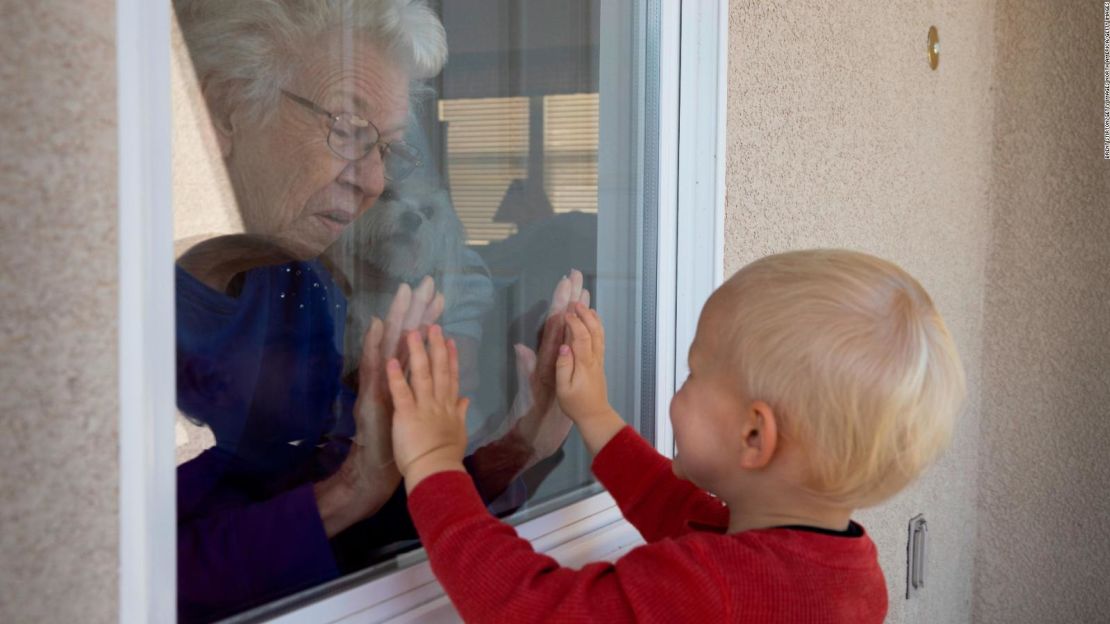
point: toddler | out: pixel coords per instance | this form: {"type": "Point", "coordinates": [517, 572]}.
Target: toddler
{"type": "Point", "coordinates": [820, 382]}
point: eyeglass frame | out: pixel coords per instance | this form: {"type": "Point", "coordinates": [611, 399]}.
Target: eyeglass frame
{"type": "Point", "coordinates": [358, 121]}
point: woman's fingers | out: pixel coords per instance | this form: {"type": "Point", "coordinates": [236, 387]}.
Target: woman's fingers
{"type": "Point", "coordinates": [525, 362]}
{"type": "Point", "coordinates": [372, 344]}
{"type": "Point", "coordinates": [371, 354]}
{"type": "Point", "coordinates": [441, 367]}
{"type": "Point", "coordinates": [561, 297]}
{"type": "Point", "coordinates": [553, 330]}
{"type": "Point", "coordinates": [434, 310]}
{"type": "Point", "coordinates": [421, 299]}
{"type": "Point", "coordinates": [575, 285]}
{"type": "Point", "coordinates": [395, 319]}
{"type": "Point", "coordinates": [593, 323]}
{"type": "Point", "coordinates": [585, 298]}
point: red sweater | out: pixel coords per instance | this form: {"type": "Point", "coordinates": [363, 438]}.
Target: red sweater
{"type": "Point", "coordinates": [689, 571]}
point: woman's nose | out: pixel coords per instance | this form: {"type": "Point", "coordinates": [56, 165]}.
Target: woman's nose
{"type": "Point", "coordinates": [366, 173]}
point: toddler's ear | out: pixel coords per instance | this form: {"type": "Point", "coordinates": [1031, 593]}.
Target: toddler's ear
{"type": "Point", "coordinates": [759, 435]}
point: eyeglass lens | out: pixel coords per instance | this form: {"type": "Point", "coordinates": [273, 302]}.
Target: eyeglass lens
{"type": "Point", "coordinates": [353, 142]}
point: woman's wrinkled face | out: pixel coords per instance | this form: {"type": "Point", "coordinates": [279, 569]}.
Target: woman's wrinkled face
{"type": "Point", "coordinates": [290, 186]}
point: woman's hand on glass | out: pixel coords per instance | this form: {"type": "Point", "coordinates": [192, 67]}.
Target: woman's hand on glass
{"type": "Point", "coordinates": [369, 475]}
{"type": "Point", "coordinates": [411, 309]}
{"type": "Point", "coordinates": [538, 418]}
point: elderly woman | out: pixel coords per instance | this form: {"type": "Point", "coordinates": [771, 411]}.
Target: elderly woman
{"type": "Point", "coordinates": [309, 101]}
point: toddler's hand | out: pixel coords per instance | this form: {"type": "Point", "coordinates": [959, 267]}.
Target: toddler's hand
{"type": "Point", "coordinates": [429, 418]}
{"type": "Point", "coordinates": [580, 378]}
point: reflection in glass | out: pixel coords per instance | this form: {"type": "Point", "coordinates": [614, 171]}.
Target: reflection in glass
{"type": "Point", "coordinates": [374, 190]}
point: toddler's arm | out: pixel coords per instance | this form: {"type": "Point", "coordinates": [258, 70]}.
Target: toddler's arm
{"type": "Point", "coordinates": [656, 502]}
{"type": "Point", "coordinates": [490, 573]}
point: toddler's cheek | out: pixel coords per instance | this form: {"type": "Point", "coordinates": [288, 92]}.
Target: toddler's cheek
{"type": "Point", "coordinates": [692, 466]}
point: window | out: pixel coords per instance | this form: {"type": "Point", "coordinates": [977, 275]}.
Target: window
{"type": "Point", "coordinates": [301, 203]}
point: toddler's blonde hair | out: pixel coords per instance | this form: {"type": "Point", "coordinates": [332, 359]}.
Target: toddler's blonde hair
{"type": "Point", "coordinates": [856, 362]}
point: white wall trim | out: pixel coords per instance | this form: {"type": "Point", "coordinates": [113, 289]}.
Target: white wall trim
{"type": "Point", "coordinates": [668, 252]}
{"type": "Point", "coordinates": [147, 552]}
{"type": "Point", "coordinates": [703, 91]}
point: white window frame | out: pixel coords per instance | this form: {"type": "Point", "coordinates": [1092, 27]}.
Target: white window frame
{"type": "Point", "coordinates": [693, 87]}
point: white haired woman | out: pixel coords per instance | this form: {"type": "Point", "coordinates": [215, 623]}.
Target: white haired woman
{"type": "Point", "coordinates": [309, 100]}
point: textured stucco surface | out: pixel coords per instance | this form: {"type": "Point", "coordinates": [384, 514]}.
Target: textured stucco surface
{"type": "Point", "coordinates": [200, 180]}
{"type": "Point", "coordinates": [840, 135]}
{"type": "Point", "coordinates": [1044, 507]}
{"type": "Point", "coordinates": [58, 378]}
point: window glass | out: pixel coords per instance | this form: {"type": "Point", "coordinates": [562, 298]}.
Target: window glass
{"type": "Point", "coordinates": [475, 163]}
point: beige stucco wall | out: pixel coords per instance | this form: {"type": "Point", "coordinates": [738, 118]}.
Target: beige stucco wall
{"type": "Point", "coordinates": [984, 179]}
{"type": "Point", "coordinates": [58, 379]}
{"type": "Point", "coordinates": [200, 179]}
{"type": "Point", "coordinates": [840, 135]}
{"type": "Point", "coordinates": [1044, 506]}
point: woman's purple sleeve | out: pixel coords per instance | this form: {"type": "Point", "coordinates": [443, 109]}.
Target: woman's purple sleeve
{"type": "Point", "coordinates": [238, 554]}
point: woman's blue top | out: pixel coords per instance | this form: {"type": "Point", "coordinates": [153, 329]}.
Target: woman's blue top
{"type": "Point", "coordinates": [262, 371]}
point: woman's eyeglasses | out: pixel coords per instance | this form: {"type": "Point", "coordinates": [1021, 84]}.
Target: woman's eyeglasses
{"type": "Point", "coordinates": [351, 137]}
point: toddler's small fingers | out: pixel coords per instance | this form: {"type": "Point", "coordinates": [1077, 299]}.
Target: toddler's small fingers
{"type": "Point", "coordinates": [441, 367]}
{"type": "Point", "coordinates": [597, 331]}
{"type": "Point", "coordinates": [579, 339]}
{"type": "Point", "coordinates": [564, 368]}
{"type": "Point", "coordinates": [461, 406]}
{"type": "Point", "coordinates": [419, 367]}
{"type": "Point", "coordinates": [398, 387]}
{"type": "Point", "coordinates": [453, 367]}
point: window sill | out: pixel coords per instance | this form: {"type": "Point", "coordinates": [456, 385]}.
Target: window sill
{"type": "Point", "coordinates": [589, 530]}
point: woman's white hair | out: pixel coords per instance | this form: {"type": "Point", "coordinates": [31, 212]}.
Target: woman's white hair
{"type": "Point", "coordinates": [247, 49]}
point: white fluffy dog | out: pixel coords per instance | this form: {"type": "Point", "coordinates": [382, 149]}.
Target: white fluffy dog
{"type": "Point", "coordinates": [411, 232]}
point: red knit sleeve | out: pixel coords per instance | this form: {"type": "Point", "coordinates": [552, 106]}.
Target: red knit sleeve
{"type": "Point", "coordinates": [656, 502]}
{"type": "Point", "coordinates": [492, 575]}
